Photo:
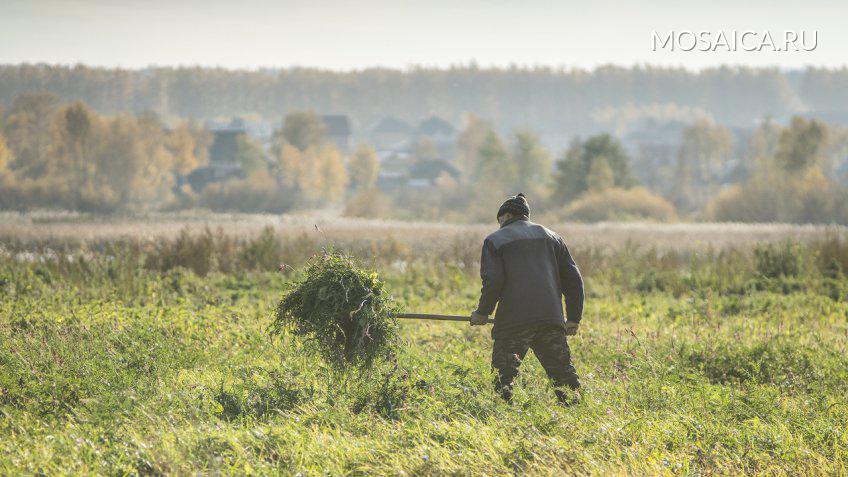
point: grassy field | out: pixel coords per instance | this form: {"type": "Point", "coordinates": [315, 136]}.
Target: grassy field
{"type": "Point", "coordinates": [132, 347]}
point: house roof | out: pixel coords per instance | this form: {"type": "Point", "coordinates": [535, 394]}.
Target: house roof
{"type": "Point", "coordinates": [431, 169]}
{"type": "Point", "coordinates": [336, 124]}
{"type": "Point", "coordinates": [391, 124]}
{"type": "Point", "coordinates": [224, 145]}
{"type": "Point", "coordinates": [435, 125]}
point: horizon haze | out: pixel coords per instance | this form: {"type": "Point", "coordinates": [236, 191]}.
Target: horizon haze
{"type": "Point", "coordinates": [337, 35]}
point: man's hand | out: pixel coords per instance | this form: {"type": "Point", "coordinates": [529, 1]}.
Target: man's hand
{"type": "Point", "coordinates": [477, 319]}
{"type": "Point", "coordinates": [571, 328]}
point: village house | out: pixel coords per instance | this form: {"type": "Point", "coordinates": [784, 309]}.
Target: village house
{"type": "Point", "coordinates": [338, 131]}
{"type": "Point", "coordinates": [223, 163]}
{"type": "Point", "coordinates": [389, 134]}
{"type": "Point", "coordinates": [414, 157]}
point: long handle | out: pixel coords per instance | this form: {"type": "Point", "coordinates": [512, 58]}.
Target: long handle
{"type": "Point", "coordinates": [428, 316]}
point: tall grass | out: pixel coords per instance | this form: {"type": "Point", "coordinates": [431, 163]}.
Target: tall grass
{"type": "Point", "coordinates": [136, 356]}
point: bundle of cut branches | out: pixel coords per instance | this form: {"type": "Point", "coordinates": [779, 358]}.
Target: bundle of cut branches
{"type": "Point", "coordinates": [342, 309]}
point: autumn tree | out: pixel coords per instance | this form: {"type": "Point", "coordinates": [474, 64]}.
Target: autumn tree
{"type": "Point", "coordinates": [182, 143]}
{"type": "Point", "coordinates": [532, 163]}
{"type": "Point", "coordinates": [468, 145]}
{"type": "Point", "coordinates": [301, 155]}
{"type": "Point", "coordinates": [76, 158]}
{"type": "Point", "coordinates": [323, 177]}
{"type": "Point", "coordinates": [77, 130]}
{"type": "Point", "coordinates": [701, 160]}
{"type": "Point", "coordinates": [306, 163]}
{"type": "Point", "coordinates": [494, 169]}
{"type": "Point", "coordinates": [132, 166]}
{"type": "Point", "coordinates": [599, 161]}
{"type": "Point", "coordinates": [364, 167]}
{"type": "Point", "coordinates": [120, 171]}
{"type": "Point", "coordinates": [600, 175]}
{"type": "Point", "coordinates": [249, 154]}
{"type": "Point", "coordinates": [288, 164]}
{"type": "Point", "coordinates": [157, 179]}
{"type": "Point", "coordinates": [761, 148]}
{"type": "Point", "coordinates": [28, 132]}
{"type": "Point", "coordinates": [800, 145]}
{"type": "Point", "coordinates": [302, 129]}
{"type": "Point", "coordinates": [5, 160]}
{"type": "Point", "coordinates": [9, 192]}
{"type": "Point", "coordinates": [795, 188]}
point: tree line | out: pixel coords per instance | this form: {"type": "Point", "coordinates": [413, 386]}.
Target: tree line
{"type": "Point", "coordinates": [66, 155]}
{"type": "Point", "coordinates": [545, 99]}
{"type": "Point", "coordinates": [55, 155]}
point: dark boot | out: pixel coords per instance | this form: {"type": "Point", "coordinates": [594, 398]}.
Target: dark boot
{"type": "Point", "coordinates": [566, 398]}
{"type": "Point", "coordinates": [504, 391]}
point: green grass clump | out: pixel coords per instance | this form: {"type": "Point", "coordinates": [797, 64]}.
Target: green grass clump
{"type": "Point", "coordinates": [343, 309]}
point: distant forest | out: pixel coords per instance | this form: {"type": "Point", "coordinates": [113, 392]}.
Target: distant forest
{"type": "Point", "coordinates": [545, 99]}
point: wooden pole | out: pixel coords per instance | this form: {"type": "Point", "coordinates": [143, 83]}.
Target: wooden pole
{"type": "Point", "coordinates": [429, 316]}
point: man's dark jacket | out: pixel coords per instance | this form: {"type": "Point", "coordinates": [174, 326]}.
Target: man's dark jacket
{"type": "Point", "coordinates": [526, 269]}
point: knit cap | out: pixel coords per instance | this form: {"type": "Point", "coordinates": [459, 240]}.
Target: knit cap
{"type": "Point", "coordinates": [517, 205]}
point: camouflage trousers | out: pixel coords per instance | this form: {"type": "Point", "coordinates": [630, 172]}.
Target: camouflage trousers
{"type": "Point", "coordinates": [550, 346]}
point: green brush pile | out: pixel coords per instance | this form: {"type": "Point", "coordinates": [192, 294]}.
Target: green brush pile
{"type": "Point", "coordinates": [342, 309]}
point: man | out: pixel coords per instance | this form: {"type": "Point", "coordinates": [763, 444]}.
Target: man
{"type": "Point", "coordinates": [526, 269]}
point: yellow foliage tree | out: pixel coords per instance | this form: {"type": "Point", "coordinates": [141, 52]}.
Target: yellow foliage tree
{"type": "Point", "coordinates": [323, 177]}
{"type": "Point", "coordinates": [6, 178]}
{"type": "Point", "coordinates": [181, 143]}
{"type": "Point", "coordinates": [795, 188]}
{"type": "Point", "coordinates": [156, 181]}
{"type": "Point", "coordinates": [289, 164]}
{"type": "Point", "coordinates": [812, 198]}
{"type": "Point", "coordinates": [335, 173]}
{"type": "Point", "coordinates": [364, 167]}
{"type": "Point", "coordinates": [600, 176]}
{"type": "Point", "coordinates": [5, 156]}
{"type": "Point", "coordinates": [75, 160]}
{"type": "Point", "coordinates": [28, 132]}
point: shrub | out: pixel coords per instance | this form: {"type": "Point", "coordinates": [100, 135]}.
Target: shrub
{"type": "Point", "coordinates": [779, 361]}
{"type": "Point", "coordinates": [262, 252]}
{"type": "Point", "coordinates": [620, 204]}
{"type": "Point", "coordinates": [26, 194]}
{"type": "Point", "coordinates": [832, 253]}
{"type": "Point", "coordinates": [257, 193]}
{"type": "Point", "coordinates": [342, 309]}
{"type": "Point", "coordinates": [368, 203]}
{"type": "Point", "coordinates": [775, 261]}
{"type": "Point", "coordinates": [808, 199]}
{"type": "Point", "coordinates": [193, 252]}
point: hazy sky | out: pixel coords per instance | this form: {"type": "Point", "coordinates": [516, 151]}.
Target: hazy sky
{"type": "Point", "coordinates": [360, 33]}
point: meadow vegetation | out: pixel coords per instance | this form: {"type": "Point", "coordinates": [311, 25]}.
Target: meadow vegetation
{"type": "Point", "coordinates": [150, 354]}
